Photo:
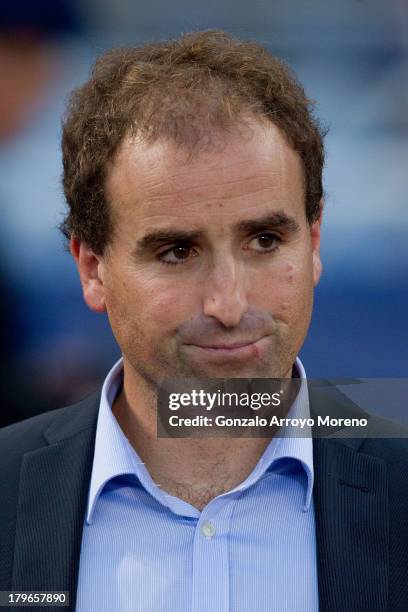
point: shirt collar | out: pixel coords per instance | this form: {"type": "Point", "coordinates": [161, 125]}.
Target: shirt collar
{"type": "Point", "coordinates": [112, 457]}
{"type": "Point", "coordinates": [115, 456]}
{"type": "Point", "coordinates": [287, 446]}
{"type": "Point", "coordinates": [293, 446]}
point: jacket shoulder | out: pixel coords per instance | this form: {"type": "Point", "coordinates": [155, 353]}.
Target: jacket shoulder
{"type": "Point", "coordinates": [387, 440]}
{"type": "Point", "coordinates": [28, 435]}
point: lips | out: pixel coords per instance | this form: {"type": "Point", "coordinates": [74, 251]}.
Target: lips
{"type": "Point", "coordinates": [237, 352]}
{"type": "Point", "coordinates": [228, 346]}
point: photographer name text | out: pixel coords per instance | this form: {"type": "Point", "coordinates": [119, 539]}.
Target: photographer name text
{"type": "Point", "coordinates": [256, 421]}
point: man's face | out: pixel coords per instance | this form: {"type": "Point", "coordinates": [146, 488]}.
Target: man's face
{"type": "Point", "coordinates": [212, 264]}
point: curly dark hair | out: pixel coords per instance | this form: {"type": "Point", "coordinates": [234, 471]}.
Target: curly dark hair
{"type": "Point", "coordinates": [180, 90]}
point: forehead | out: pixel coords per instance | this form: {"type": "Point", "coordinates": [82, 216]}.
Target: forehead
{"type": "Point", "coordinates": [252, 169]}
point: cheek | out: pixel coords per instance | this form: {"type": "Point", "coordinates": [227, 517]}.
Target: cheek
{"type": "Point", "coordinates": [290, 293]}
{"type": "Point", "coordinates": [165, 304]}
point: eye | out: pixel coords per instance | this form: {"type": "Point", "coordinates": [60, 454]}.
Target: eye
{"type": "Point", "coordinates": [177, 255]}
{"type": "Point", "coordinates": [266, 242]}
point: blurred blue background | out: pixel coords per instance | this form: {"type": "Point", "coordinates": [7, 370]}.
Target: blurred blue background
{"type": "Point", "coordinates": [351, 56]}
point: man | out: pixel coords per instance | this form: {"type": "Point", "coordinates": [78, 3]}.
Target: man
{"type": "Point", "coordinates": [193, 174]}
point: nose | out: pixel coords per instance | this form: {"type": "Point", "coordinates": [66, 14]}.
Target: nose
{"type": "Point", "coordinates": [225, 293]}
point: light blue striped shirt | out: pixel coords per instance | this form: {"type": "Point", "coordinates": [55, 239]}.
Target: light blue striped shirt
{"type": "Point", "coordinates": [251, 549]}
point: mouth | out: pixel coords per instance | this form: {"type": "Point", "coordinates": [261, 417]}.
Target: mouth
{"type": "Point", "coordinates": [226, 347]}
{"type": "Point", "coordinates": [238, 350]}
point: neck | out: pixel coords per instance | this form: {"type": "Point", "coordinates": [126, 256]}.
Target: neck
{"type": "Point", "coordinates": [193, 469]}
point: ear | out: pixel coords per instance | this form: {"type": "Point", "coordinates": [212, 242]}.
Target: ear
{"type": "Point", "coordinates": [315, 241]}
{"type": "Point", "coordinates": [90, 271]}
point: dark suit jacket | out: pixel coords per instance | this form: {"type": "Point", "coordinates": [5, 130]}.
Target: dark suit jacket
{"type": "Point", "coordinates": [360, 495]}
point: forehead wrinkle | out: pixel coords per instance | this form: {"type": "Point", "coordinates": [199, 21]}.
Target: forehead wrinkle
{"type": "Point", "coordinates": [178, 169]}
{"type": "Point", "coordinates": [211, 193]}
{"type": "Point", "coordinates": [206, 200]}
{"type": "Point", "coordinates": [204, 190]}
{"type": "Point", "coordinates": [252, 169]}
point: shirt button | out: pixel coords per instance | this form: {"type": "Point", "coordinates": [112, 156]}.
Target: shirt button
{"type": "Point", "coordinates": [208, 530]}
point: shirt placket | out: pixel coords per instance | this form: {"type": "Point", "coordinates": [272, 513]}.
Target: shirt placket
{"type": "Point", "coordinates": [211, 571]}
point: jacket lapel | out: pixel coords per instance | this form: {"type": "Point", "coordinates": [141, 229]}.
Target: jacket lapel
{"type": "Point", "coordinates": [352, 518]}
{"type": "Point", "coordinates": [53, 489]}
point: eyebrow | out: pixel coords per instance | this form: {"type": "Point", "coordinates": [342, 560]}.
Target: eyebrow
{"type": "Point", "coordinates": [278, 221]}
